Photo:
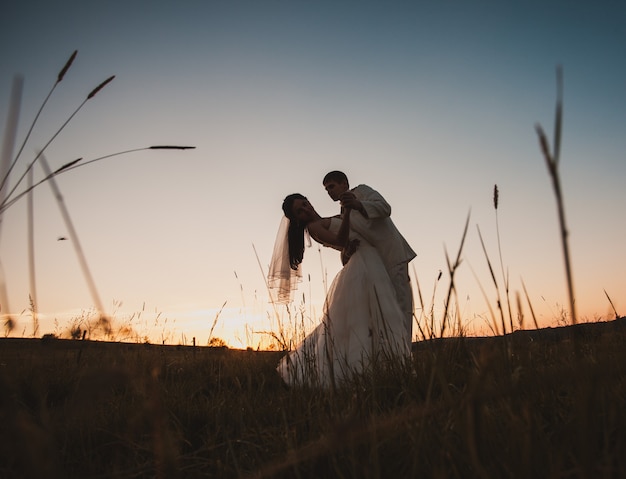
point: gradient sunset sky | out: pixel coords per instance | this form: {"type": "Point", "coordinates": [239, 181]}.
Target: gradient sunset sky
{"type": "Point", "coordinates": [431, 103]}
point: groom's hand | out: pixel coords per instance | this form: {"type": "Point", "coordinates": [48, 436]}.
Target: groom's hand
{"type": "Point", "coordinates": [349, 200]}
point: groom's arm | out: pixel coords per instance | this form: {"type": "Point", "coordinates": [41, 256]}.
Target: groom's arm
{"type": "Point", "coordinates": [372, 204]}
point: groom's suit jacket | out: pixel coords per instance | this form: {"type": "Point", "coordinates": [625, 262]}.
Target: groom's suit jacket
{"type": "Point", "coordinates": [378, 229]}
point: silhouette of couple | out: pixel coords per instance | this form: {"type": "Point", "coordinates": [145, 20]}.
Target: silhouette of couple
{"type": "Point", "coordinates": [368, 311]}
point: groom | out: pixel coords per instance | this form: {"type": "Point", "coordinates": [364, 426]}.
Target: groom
{"type": "Point", "coordinates": [373, 222]}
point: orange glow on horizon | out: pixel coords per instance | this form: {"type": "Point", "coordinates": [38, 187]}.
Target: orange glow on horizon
{"type": "Point", "coordinates": [256, 329]}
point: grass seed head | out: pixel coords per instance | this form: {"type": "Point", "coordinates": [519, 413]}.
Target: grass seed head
{"type": "Point", "coordinates": [100, 87]}
{"type": "Point", "coordinates": [67, 66]}
{"type": "Point", "coordinates": [9, 324]}
{"type": "Point", "coordinates": [495, 196]}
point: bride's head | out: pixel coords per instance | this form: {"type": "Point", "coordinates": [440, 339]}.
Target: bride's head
{"type": "Point", "coordinates": [297, 208]}
{"type": "Point", "coordinates": [300, 212]}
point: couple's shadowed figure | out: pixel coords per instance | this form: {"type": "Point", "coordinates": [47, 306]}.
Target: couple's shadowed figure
{"type": "Point", "coordinates": [368, 311]}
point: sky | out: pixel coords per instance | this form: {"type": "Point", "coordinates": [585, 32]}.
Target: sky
{"type": "Point", "coordinates": [430, 103]}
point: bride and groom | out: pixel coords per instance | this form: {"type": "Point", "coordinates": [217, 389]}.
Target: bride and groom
{"type": "Point", "coordinates": [368, 311]}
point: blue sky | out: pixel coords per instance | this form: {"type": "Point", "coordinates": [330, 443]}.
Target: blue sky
{"type": "Point", "coordinates": [431, 104]}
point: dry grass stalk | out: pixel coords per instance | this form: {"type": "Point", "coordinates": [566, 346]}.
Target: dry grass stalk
{"type": "Point", "coordinates": [617, 316]}
{"type": "Point", "coordinates": [60, 77]}
{"type": "Point", "coordinates": [452, 267]}
{"type": "Point", "coordinates": [8, 199]}
{"type": "Point", "coordinates": [217, 316]}
{"type": "Point", "coordinates": [530, 306]}
{"type": "Point", "coordinates": [552, 162]}
{"type": "Point", "coordinates": [31, 258]}
{"type": "Point", "coordinates": [493, 278]}
{"type": "Point", "coordinates": [418, 321]}
{"type": "Point", "coordinates": [75, 241]}
{"type": "Point", "coordinates": [30, 165]}
{"type": "Point", "coordinates": [493, 326]}
{"type": "Point", "coordinates": [73, 164]}
{"type": "Point", "coordinates": [505, 277]}
{"type": "Point", "coordinates": [5, 169]}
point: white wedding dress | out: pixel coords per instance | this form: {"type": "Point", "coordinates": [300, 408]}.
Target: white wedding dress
{"type": "Point", "coordinates": [362, 324]}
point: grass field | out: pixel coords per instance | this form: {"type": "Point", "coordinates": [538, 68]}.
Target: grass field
{"type": "Point", "coordinates": [543, 403]}
{"type": "Point", "coordinates": [547, 403]}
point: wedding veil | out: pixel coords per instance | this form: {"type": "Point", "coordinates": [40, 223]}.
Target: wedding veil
{"type": "Point", "coordinates": [282, 281]}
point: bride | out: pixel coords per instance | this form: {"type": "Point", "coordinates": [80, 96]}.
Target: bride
{"type": "Point", "coordinates": [362, 323]}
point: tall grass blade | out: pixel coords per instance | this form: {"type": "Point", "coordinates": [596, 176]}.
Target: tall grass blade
{"type": "Point", "coordinates": [452, 270]}
{"type": "Point", "coordinates": [520, 312]}
{"type": "Point", "coordinates": [494, 323]}
{"type": "Point", "coordinates": [432, 305]}
{"type": "Point", "coordinates": [505, 276]}
{"type": "Point", "coordinates": [31, 257]}
{"type": "Point", "coordinates": [530, 306]}
{"type": "Point", "coordinates": [556, 155]}
{"type": "Point", "coordinates": [611, 303]}
{"type": "Point", "coordinates": [60, 77]}
{"type": "Point", "coordinates": [73, 237]}
{"type": "Point", "coordinates": [30, 165]}
{"type": "Point", "coordinates": [552, 160]}
{"type": "Point", "coordinates": [71, 165]}
{"type": "Point", "coordinates": [493, 278]}
{"type": "Point", "coordinates": [8, 143]}
{"type": "Point", "coordinates": [217, 316]}
{"type": "Point", "coordinates": [10, 132]}
{"type": "Point", "coordinates": [5, 206]}
{"type": "Point", "coordinates": [421, 302]}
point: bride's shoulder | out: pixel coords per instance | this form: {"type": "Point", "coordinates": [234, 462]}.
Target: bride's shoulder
{"type": "Point", "coordinates": [322, 223]}
{"type": "Point", "coordinates": [319, 229]}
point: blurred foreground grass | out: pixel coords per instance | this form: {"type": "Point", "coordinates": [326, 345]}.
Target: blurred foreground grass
{"type": "Point", "coordinates": [546, 403]}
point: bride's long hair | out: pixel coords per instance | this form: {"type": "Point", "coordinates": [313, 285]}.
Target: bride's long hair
{"type": "Point", "coordinates": [295, 234]}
